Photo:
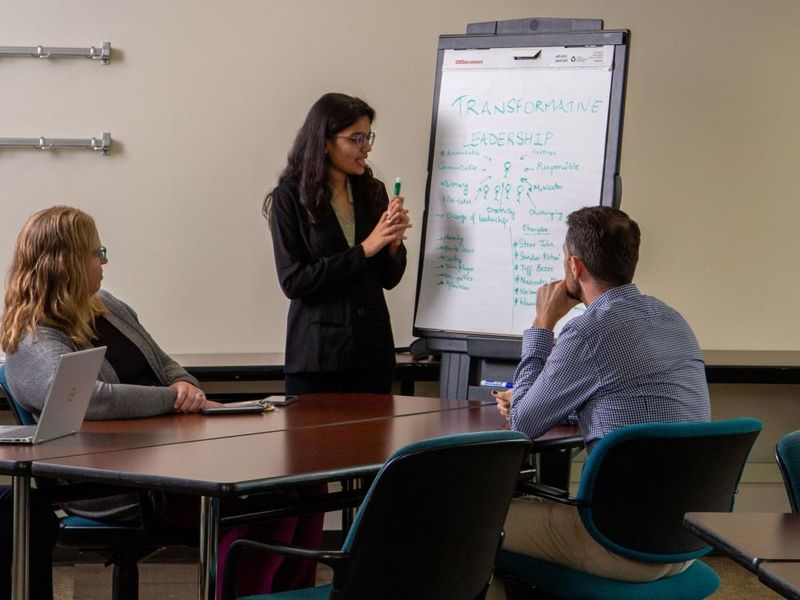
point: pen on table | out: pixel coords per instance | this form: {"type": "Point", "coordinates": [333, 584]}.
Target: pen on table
{"type": "Point", "coordinates": [500, 384]}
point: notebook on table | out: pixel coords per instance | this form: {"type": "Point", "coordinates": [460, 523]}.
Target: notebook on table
{"type": "Point", "coordinates": [261, 405]}
{"type": "Point", "coordinates": [66, 402]}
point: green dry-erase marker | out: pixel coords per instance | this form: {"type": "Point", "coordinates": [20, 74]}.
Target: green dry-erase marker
{"type": "Point", "coordinates": [397, 186]}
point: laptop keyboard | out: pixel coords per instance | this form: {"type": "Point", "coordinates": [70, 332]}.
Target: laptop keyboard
{"type": "Point", "coordinates": [18, 432]}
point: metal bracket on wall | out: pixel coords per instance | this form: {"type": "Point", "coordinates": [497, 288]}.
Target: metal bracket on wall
{"type": "Point", "coordinates": [102, 144]}
{"type": "Point", "coordinates": [103, 54]}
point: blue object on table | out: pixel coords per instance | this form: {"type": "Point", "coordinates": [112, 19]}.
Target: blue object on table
{"type": "Point", "coordinates": [500, 384]}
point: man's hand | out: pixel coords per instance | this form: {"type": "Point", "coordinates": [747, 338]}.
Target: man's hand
{"type": "Point", "coordinates": [552, 303]}
{"type": "Point", "coordinates": [503, 400]}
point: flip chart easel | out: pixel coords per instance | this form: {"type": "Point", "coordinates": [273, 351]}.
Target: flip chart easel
{"type": "Point", "coordinates": [526, 128]}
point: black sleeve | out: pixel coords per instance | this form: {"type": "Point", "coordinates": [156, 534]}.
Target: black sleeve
{"type": "Point", "coordinates": [394, 267]}
{"type": "Point", "coordinates": [302, 272]}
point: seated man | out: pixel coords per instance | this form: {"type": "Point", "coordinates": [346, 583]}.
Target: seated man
{"type": "Point", "coordinates": [628, 359]}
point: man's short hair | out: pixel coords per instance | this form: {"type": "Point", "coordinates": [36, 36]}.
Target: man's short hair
{"type": "Point", "coordinates": [607, 240]}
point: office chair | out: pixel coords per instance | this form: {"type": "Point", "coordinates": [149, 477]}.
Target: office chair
{"type": "Point", "coordinates": [635, 488]}
{"type": "Point", "coordinates": [787, 452]}
{"type": "Point", "coordinates": [429, 527]}
{"type": "Point", "coordinates": [119, 544]}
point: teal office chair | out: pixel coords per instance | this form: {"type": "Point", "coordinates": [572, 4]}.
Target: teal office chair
{"type": "Point", "coordinates": [635, 488]}
{"type": "Point", "coordinates": [122, 545]}
{"type": "Point", "coordinates": [22, 416]}
{"type": "Point", "coordinates": [429, 527]}
{"type": "Point", "coordinates": [787, 452]}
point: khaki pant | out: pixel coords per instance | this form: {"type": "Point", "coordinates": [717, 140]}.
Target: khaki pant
{"type": "Point", "coordinates": [554, 532]}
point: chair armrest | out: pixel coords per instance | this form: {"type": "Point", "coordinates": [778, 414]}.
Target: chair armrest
{"type": "Point", "coordinates": [332, 558]}
{"type": "Point", "coordinates": [548, 492]}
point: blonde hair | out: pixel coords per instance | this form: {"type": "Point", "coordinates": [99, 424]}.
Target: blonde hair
{"type": "Point", "coordinates": [47, 283]}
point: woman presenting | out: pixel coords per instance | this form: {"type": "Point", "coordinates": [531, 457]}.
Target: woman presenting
{"type": "Point", "coordinates": [338, 244]}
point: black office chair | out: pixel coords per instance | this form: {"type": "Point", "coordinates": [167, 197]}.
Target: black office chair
{"type": "Point", "coordinates": [787, 452]}
{"type": "Point", "coordinates": [636, 486]}
{"type": "Point", "coordinates": [429, 527]}
{"type": "Point", "coordinates": [121, 545]}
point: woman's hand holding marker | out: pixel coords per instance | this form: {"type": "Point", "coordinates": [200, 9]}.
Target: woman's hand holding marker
{"type": "Point", "coordinates": [391, 228]}
{"type": "Point", "coordinates": [397, 215]}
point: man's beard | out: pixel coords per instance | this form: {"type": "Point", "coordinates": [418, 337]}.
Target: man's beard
{"type": "Point", "coordinates": [573, 289]}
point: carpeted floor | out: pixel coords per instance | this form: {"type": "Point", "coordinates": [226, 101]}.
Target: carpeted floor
{"type": "Point", "coordinates": [737, 582]}
{"type": "Point", "coordinates": [164, 581]}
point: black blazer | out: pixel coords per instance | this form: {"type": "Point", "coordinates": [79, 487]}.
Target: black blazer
{"type": "Point", "coordinates": [338, 319]}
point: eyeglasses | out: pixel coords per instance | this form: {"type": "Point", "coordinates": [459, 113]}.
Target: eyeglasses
{"type": "Point", "coordinates": [360, 139]}
{"type": "Point", "coordinates": [102, 254]}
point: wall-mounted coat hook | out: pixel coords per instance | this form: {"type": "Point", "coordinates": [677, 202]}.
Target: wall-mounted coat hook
{"type": "Point", "coordinates": [101, 144]}
{"type": "Point", "coordinates": [103, 54]}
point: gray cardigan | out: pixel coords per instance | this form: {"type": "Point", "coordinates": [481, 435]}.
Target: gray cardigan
{"type": "Point", "coordinates": [31, 369]}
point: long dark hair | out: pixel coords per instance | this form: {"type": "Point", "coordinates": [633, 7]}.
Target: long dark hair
{"type": "Point", "coordinates": [307, 167]}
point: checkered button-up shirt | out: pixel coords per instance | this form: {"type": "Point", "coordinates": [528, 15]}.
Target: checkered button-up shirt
{"type": "Point", "coordinates": [628, 359]}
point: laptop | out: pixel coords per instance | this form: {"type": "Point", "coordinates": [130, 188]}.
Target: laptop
{"type": "Point", "coordinates": [66, 402]}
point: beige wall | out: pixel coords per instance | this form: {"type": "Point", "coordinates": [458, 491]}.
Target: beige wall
{"type": "Point", "coordinates": [203, 99]}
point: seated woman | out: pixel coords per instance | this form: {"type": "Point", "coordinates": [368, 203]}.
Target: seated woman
{"type": "Point", "coordinates": [54, 305]}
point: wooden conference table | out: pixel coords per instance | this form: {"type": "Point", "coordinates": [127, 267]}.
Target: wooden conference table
{"type": "Point", "coordinates": [783, 577]}
{"type": "Point", "coordinates": [752, 366]}
{"type": "Point", "coordinates": [319, 438]}
{"type": "Point", "coordinates": [268, 366]}
{"type": "Point", "coordinates": [749, 538]}
{"type": "Point", "coordinates": [767, 544]}
{"type": "Point", "coordinates": [722, 366]}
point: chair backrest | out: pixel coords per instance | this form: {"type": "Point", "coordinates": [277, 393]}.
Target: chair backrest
{"type": "Point", "coordinates": [22, 416]}
{"type": "Point", "coordinates": [787, 451]}
{"type": "Point", "coordinates": [431, 523]}
{"type": "Point", "coordinates": [639, 482]}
